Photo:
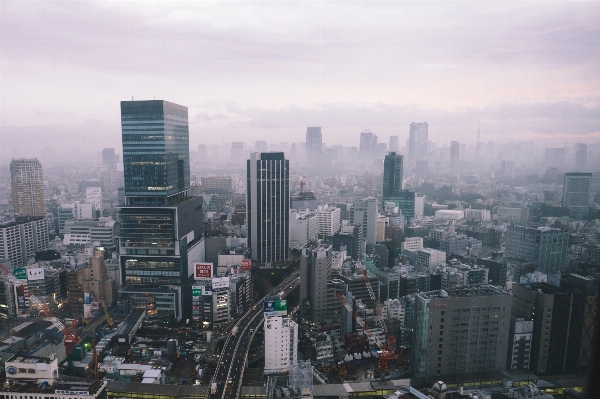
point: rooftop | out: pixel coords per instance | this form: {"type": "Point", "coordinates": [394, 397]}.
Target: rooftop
{"type": "Point", "coordinates": [467, 291]}
{"type": "Point", "coordinates": [19, 358]}
{"type": "Point", "coordinates": [81, 387]}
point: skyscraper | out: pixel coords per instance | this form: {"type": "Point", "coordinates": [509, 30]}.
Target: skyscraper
{"type": "Point", "coordinates": [576, 194]}
{"type": "Point", "coordinates": [314, 143]}
{"type": "Point", "coordinates": [156, 153]}
{"type": "Point", "coordinates": [392, 175]}
{"type": "Point", "coordinates": [315, 272]}
{"type": "Point", "coordinates": [268, 206]}
{"type": "Point", "coordinates": [580, 156]}
{"type": "Point", "coordinates": [417, 141]}
{"type": "Point", "coordinates": [364, 213]}
{"type": "Point", "coordinates": [27, 184]}
{"type": "Point", "coordinates": [394, 143]}
{"type": "Point", "coordinates": [109, 158]}
{"type": "Point", "coordinates": [161, 224]}
{"type": "Point", "coordinates": [368, 144]}
{"type": "Point", "coordinates": [454, 154]}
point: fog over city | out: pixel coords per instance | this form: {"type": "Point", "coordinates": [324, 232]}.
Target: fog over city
{"type": "Point", "coordinates": [263, 71]}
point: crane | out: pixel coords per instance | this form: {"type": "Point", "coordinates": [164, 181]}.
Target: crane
{"type": "Point", "coordinates": [378, 314]}
{"type": "Point", "coordinates": [70, 334]}
{"type": "Point", "coordinates": [387, 349]}
{"type": "Point", "coordinates": [109, 319]}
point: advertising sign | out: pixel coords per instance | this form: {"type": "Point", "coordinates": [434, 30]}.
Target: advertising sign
{"type": "Point", "coordinates": [95, 306]}
{"type": "Point", "coordinates": [36, 273]}
{"type": "Point", "coordinates": [246, 264]}
{"type": "Point", "coordinates": [235, 271]}
{"type": "Point", "coordinates": [196, 291]}
{"type": "Point", "coordinates": [87, 310]}
{"type": "Point", "coordinates": [20, 273]}
{"type": "Point", "coordinates": [203, 271]}
{"type": "Point", "coordinates": [220, 282]}
{"type": "Point", "coordinates": [275, 308]}
{"type": "Point", "coordinates": [86, 299]}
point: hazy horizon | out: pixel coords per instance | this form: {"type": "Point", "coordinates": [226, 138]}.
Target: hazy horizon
{"type": "Point", "coordinates": [252, 71]}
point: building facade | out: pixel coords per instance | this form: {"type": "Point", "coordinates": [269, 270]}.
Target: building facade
{"type": "Point", "coordinates": [27, 187]}
{"type": "Point", "coordinates": [392, 176]}
{"type": "Point", "coordinates": [22, 238]}
{"type": "Point", "coordinates": [281, 344]}
{"type": "Point", "coordinates": [546, 247]}
{"type": "Point", "coordinates": [576, 194]}
{"type": "Point", "coordinates": [417, 142]}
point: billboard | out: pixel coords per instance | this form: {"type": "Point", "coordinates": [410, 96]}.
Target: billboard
{"type": "Point", "coordinates": [87, 310]}
{"type": "Point", "coordinates": [200, 290]}
{"type": "Point", "coordinates": [220, 282]}
{"type": "Point", "coordinates": [275, 308]}
{"type": "Point", "coordinates": [203, 271]}
{"type": "Point", "coordinates": [95, 306]}
{"type": "Point", "coordinates": [235, 271]}
{"type": "Point", "coordinates": [246, 264]}
{"type": "Point", "coordinates": [20, 273]}
{"type": "Point", "coordinates": [196, 291]}
{"type": "Point", "coordinates": [86, 299]}
{"type": "Point", "coordinates": [35, 273]}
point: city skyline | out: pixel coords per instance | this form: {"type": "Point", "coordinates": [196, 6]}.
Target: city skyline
{"type": "Point", "coordinates": [253, 71]}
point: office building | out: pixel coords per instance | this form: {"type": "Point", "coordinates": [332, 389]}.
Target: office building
{"type": "Point", "coordinates": [156, 166]}
{"type": "Point", "coordinates": [521, 333]}
{"type": "Point", "coordinates": [304, 227]}
{"type": "Point", "coordinates": [581, 152]}
{"type": "Point", "coordinates": [27, 187]}
{"type": "Point", "coordinates": [93, 196]}
{"type": "Point", "coordinates": [20, 239]}
{"type": "Point", "coordinates": [268, 206]}
{"type": "Point", "coordinates": [109, 158]}
{"type": "Point", "coordinates": [281, 344]}
{"type": "Point", "coordinates": [512, 214]}
{"type": "Point", "coordinates": [576, 194]}
{"type": "Point", "coordinates": [392, 176]}
{"type": "Point", "coordinates": [459, 331]}
{"type": "Point", "coordinates": [368, 144]}
{"type": "Point", "coordinates": [304, 200]}
{"type": "Point", "coordinates": [364, 213]}
{"type": "Point", "coordinates": [103, 230]}
{"type": "Point", "coordinates": [417, 142]}
{"type": "Point", "coordinates": [546, 247]}
{"type": "Point", "coordinates": [551, 311]}
{"type": "Point", "coordinates": [428, 259]}
{"type": "Point", "coordinates": [412, 243]}
{"type": "Point", "coordinates": [349, 239]}
{"type": "Point", "coordinates": [315, 272]}
{"type": "Point", "coordinates": [314, 143]}
{"type": "Point", "coordinates": [394, 146]}
{"type": "Point", "coordinates": [161, 226]}
{"type": "Point", "coordinates": [454, 244]}
{"type": "Point", "coordinates": [329, 219]}
{"type": "Point", "coordinates": [454, 154]}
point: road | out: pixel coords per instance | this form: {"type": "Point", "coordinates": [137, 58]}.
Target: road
{"type": "Point", "coordinates": [230, 369]}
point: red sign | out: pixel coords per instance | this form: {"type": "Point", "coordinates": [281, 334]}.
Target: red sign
{"type": "Point", "coordinates": [246, 264]}
{"type": "Point", "coordinates": [204, 270]}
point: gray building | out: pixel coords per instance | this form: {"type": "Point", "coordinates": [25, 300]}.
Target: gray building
{"type": "Point", "coordinates": [576, 194]}
{"type": "Point", "coordinates": [315, 272]}
{"type": "Point", "coordinates": [454, 154]}
{"type": "Point", "coordinates": [20, 239]}
{"type": "Point", "coordinates": [417, 142]}
{"type": "Point", "coordinates": [454, 244]}
{"type": "Point", "coordinates": [268, 206]}
{"type": "Point", "coordinates": [392, 176]}
{"type": "Point", "coordinates": [458, 331]}
{"type": "Point", "coordinates": [314, 143]}
{"type": "Point", "coordinates": [364, 213]}
{"type": "Point", "coordinates": [546, 247]}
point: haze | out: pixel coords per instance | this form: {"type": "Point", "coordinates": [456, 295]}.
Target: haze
{"type": "Point", "coordinates": [266, 70]}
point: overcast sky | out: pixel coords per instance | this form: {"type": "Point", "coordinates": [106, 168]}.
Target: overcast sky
{"type": "Point", "coordinates": [266, 70]}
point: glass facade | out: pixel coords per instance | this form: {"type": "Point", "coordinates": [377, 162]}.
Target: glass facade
{"type": "Point", "coordinates": [392, 175]}
{"type": "Point", "coordinates": [156, 159]}
{"type": "Point", "coordinates": [148, 231]}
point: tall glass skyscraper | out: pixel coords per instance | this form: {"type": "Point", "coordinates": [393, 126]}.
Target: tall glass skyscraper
{"type": "Point", "coordinates": [268, 206]}
{"type": "Point", "coordinates": [161, 224]}
{"type": "Point", "coordinates": [417, 141]}
{"type": "Point", "coordinates": [392, 175]}
{"type": "Point", "coordinates": [156, 152]}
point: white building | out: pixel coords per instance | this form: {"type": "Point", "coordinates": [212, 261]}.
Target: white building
{"type": "Point", "coordinates": [20, 240]}
{"type": "Point", "coordinates": [281, 344]}
{"type": "Point", "coordinates": [304, 227]}
{"type": "Point", "coordinates": [221, 306]}
{"type": "Point", "coordinates": [419, 204]}
{"type": "Point", "coordinates": [451, 214]}
{"type": "Point", "coordinates": [478, 214]}
{"type": "Point", "coordinates": [412, 244]}
{"type": "Point", "coordinates": [329, 219]}
{"type": "Point", "coordinates": [364, 213]}
{"type": "Point", "coordinates": [428, 259]}
{"type": "Point", "coordinates": [393, 309]}
{"type": "Point", "coordinates": [31, 369]}
{"type": "Point", "coordinates": [520, 340]}
{"type": "Point", "coordinates": [93, 195]}
{"type": "Point", "coordinates": [382, 223]}
{"type": "Point", "coordinates": [511, 215]}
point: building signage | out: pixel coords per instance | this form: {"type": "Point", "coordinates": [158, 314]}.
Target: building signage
{"type": "Point", "coordinates": [246, 264]}
{"type": "Point", "coordinates": [87, 299]}
{"type": "Point", "coordinates": [203, 271]}
{"type": "Point", "coordinates": [95, 306]}
{"type": "Point", "coordinates": [275, 308]}
{"type": "Point", "coordinates": [65, 392]}
{"type": "Point", "coordinates": [235, 271]}
{"type": "Point", "coordinates": [196, 291]}
{"type": "Point", "coordinates": [220, 282]}
{"type": "Point", "coordinates": [439, 305]}
{"type": "Point", "coordinates": [20, 273]}
{"type": "Point", "coordinates": [36, 273]}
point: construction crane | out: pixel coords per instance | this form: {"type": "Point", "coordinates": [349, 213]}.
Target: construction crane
{"type": "Point", "coordinates": [70, 334]}
{"type": "Point", "coordinates": [378, 314]}
{"type": "Point", "coordinates": [387, 349]}
{"type": "Point", "coordinates": [109, 319]}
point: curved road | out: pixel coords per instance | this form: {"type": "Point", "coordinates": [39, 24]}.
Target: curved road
{"type": "Point", "coordinates": [230, 369]}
